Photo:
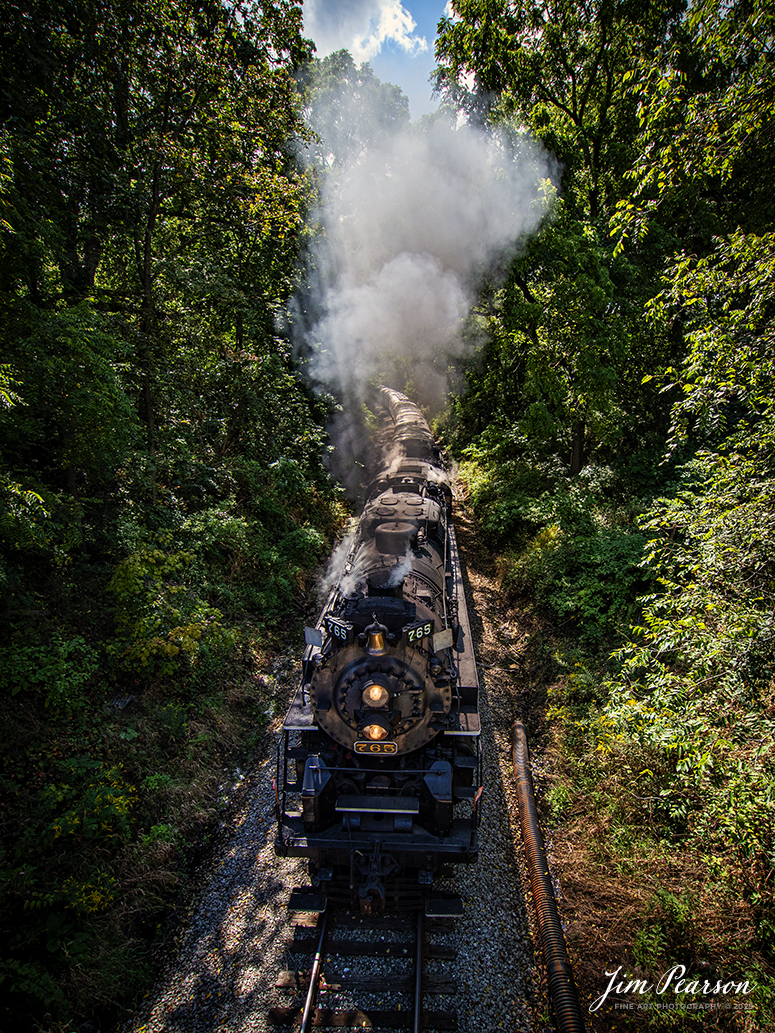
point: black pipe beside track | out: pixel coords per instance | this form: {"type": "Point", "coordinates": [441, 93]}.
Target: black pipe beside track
{"type": "Point", "coordinates": [559, 973]}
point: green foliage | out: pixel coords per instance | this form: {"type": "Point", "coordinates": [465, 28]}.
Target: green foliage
{"type": "Point", "coordinates": [92, 896]}
{"type": "Point", "coordinates": [559, 797]}
{"type": "Point", "coordinates": [660, 119]}
{"type": "Point", "coordinates": [726, 303]}
{"type": "Point", "coordinates": [172, 721]}
{"type": "Point", "coordinates": [162, 833]}
{"type": "Point", "coordinates": [158, 615]}
{"type": "Point", "coordinates": [23, 517]}
{"type": "Point", "coordinates": [102, 821]}
{"type": "Point", "coordinates": [70, 364]}
{"type": "Point", "coordinates": [667, 934]}
{"type": "Point", "coordinates": [705, 157]}
{"type": "Point", "coordinates": [31, 981]}
{"type": "Point", "coordinates": [162, 494]}
{"type": "Point", "coordinates": [59, 671]}
{"type": "Point", "coordinates": [585, 571]}
{"type": "Point", "coordinates": [697, 673]}
{"type": "Point", "coordinates": [8, 397]}
{"type": "Point", "coordinates": [559, 70]}
{"type": "Point", "coordinates": [566, 543]}
{"type": "Point", "coordinates": [97, 801]}
{"type": "Point", "coordinates": [349, 109]}
{"type": "Point", "coordinates": [510, 494]}
{"type": "Point", "coordinates": [568, 359]}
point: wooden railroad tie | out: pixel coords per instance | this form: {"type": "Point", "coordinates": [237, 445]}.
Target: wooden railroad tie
{"type": "Point", "coordinates": [443, 1020]}
{"type": "Point", "coordinates": [371, 949]}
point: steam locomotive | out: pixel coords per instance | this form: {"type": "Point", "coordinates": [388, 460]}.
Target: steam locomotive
{"type": "Point", "coordinates": [379, 768]}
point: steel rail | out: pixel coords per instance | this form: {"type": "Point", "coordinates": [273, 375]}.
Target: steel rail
{"type": "Point", "coordinates": [312, 991]}
{"type": "Point", "coordinates": [559, 972]}
{"type": "Point", "coordinates": [417, 1022]}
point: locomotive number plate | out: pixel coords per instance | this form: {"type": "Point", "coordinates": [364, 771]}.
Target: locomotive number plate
{"type": "Point", "coordinates": [417, 632]}
{"type": "Point", "coordinates": [340, 630]}
{"type": "Point", "coordinates": [365, 746]}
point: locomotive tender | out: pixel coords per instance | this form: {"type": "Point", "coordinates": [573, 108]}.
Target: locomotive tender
{"type": "Point", "coordinates": [379, 768]}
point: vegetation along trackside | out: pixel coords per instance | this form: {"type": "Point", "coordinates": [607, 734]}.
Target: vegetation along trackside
{"type": "Point", "coordinates": [162, 498]}
{"type": "Point", "coordinates": [165, 499]}
{"type": "Point", "coordinates": [616, 438]}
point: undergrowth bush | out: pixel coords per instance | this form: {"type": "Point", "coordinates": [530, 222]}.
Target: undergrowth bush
{"type": "Point", "coordinates": [58, 670]}
{"type": "Point", "coordinates": [662, 703]}
{"type": "Point", "coordinates": [159, 615]}
{"type": "Point", "coordinates": [570, 544]}
{"type": "Point", "coordinates": [680, 729]}
{"type": "Point", "coordinates": [133, 678]}
{"type": "Point", "coordinates": [108, 803]}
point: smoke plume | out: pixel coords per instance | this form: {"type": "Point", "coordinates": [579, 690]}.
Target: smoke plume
{"type": "Point", "coordinates": [411, 221]}
{"type": "Point", "coordinates": [409, 229]}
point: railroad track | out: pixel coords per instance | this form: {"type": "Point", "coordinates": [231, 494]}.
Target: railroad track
{"type": "Point", "coordinates": [388, 954]}
{"type": "Point", "coordinates": [342, 955]}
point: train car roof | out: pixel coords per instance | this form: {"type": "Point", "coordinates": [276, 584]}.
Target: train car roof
{"type": "Point", "coordinates": [411, 470]}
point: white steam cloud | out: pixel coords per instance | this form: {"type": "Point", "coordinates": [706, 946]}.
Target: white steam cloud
{"type": "Point", "coordinates": [410, 229]}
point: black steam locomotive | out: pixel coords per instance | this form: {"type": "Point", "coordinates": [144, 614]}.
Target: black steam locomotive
{"type": "Point", "coordinates": [379, 769]}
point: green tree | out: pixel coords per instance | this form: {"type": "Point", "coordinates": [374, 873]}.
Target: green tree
{"type": "Point", "coordinates": [152, 212]}
{"type": "Point", "coordinates": [349, 108]}
{"type": "Point", "coordinates": [688, 717]}
{"type": "Point", "coordinates": [162, 495]}
{"type": "Point", "coordinates": [706, 152]}
{"type": "Point", "coordinates": [146, 121]}
{"type": "Point", "coordinates": [558, 69]}
{"type": "Point", "coordinates": [567, 334]}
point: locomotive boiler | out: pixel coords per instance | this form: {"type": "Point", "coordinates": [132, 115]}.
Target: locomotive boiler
{"type": "Point", "coordinates": [379, 768]}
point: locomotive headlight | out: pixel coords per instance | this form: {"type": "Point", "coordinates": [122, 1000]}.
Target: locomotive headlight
{"type": "Point", "coordinates": [375, 732]}
{"type": "Point", "coordinates": [375, 695]}
{"type": "Point", "coordinates": [376, 725]}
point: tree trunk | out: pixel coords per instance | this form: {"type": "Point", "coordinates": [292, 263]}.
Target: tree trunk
{"type": "Point", "coordinates": [144, 259]}
{"type": "Point", "coordinates": [72, 487]}
{"type": "Point", "coordinates": [577, 450]}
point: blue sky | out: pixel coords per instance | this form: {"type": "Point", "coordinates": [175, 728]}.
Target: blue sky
{"type": "Point", "coordinates": [396, 37]}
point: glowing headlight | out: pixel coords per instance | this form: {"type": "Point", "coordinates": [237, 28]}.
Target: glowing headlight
{"type": "Point", "coordinates": [375, 732]}
{"type": "Point", "coordinates": [375, 695]}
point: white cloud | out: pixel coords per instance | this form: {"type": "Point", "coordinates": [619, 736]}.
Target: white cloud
{"type": "Point", "coordinates": [361, 26]}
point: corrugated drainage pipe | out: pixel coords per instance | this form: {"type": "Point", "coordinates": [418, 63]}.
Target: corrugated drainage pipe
{"type": "Point", "coordinates": [559, 974]}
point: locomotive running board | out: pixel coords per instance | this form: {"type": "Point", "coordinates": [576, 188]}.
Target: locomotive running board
{"type": "Point", "coordinates": [378, 804]}
{"type": "Point", "coordinates": [467, 718]}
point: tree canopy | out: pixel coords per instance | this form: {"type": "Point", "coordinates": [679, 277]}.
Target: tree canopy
{"type": "Point", "coordinates": [616, 431]}
{"type": "Point", "coordinates": [350, 110]}
{"type": "Point", "coordinates": [163, 498]}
